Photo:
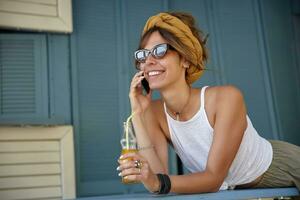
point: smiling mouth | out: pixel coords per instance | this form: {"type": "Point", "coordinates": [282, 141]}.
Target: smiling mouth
{"type": "Point", "coordinates": [154, 73]}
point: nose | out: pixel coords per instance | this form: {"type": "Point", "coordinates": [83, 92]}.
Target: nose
{"type": "Point", "coordinates": [150, 60]}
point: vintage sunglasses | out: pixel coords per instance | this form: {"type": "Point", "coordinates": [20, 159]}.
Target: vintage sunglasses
{"type": "Point", "coordinates": [158, 51]}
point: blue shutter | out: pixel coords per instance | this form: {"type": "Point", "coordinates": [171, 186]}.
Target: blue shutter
{"type": "Point", "coordinates": [281, 51]}
{"type": "Point", "coordinates": [34, 79]}
{"type": "Point", "coordinates": [99, 125]}
{"type": "Point", "coordinates": [23, 89]}
{"type": "Point", "coordinates": [58, 79]}
{"type": "Point", "coordinates": [104, 67]}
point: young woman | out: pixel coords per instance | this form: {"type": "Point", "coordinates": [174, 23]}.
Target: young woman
{"type": "Point", "coordinates": [208, 127]}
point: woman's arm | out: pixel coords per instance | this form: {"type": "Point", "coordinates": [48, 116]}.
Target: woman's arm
{"type": "Point", "coordinates": [151, 139]}
{"type": "Point", "coordinates": [153, 153]}
{"type": "Point", "coordinates": [230, 124]}
{"type": "Point", "coordinates": [152, 142]}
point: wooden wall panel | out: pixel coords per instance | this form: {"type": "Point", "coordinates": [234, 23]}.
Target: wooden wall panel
{"type": "Point", "coordinates": [47, 15]}
{"type": "Point", "coordinates": [37, 162]}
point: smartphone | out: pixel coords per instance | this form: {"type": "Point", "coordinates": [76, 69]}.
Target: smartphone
{"type": "Point", "coordinates": [145, 85]}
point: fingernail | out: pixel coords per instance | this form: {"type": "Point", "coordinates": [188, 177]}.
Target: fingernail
{"type": "Point", "coordinates": [118, 168]}
{"type": "Point", "coordinates": [123, 161]}
{"type": "Point", "coordinates": [120, 174]}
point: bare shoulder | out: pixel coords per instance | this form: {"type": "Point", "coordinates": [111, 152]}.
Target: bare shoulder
{"type": "Point", "coordinates": [225, 93]}
{"type": "Point", "coordinates": [227, 105]}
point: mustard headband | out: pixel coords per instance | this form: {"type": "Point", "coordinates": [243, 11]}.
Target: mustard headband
{"type": "Point", "coordinates": [179, 29]}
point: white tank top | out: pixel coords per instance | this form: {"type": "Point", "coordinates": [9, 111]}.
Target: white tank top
{"type": "Point", "coordinates": [192, 140]}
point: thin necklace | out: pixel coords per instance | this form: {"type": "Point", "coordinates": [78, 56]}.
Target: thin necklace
{"type": "Point", "coordinates": [177, 114]}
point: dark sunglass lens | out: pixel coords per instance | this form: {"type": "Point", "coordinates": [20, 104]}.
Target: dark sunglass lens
{"type": "Point", "coordinates": [160, 50]}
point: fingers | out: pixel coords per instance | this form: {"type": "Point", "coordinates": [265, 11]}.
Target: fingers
{"type": "Point", "coordinates": [133, 156]}
{"type": "Point", "coordinates": [133, 167]}
{"type": "Point", "coordinates": [130, 171]}
{"type": "Point", "coordinates": [125, 164]}
{"type": "Point", "coordinates": [139, 73]}
{"type": "Point", "coordinates": [136, 80]}
{"type": "Point", "coordinates": [133, 178]}
{"type": "Point", "coordinates": [149, 94]}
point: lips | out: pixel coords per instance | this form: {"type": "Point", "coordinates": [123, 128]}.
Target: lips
{"type": "Point", "coordinates": [154, 73]}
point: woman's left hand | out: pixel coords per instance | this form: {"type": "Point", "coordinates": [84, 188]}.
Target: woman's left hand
{"type": "Point", "coordinates": [136, 168]}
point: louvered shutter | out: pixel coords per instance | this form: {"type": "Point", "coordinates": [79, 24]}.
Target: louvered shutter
{"type": "Point", "coordinates": [37, 163]}
{"type": "Point", "coordinates": [40, 15]}
{"type": "Point", "coordinates": [23, 78]}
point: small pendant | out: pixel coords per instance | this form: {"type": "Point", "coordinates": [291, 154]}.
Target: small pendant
{"type": "Point", "coordinates": [177, 116]}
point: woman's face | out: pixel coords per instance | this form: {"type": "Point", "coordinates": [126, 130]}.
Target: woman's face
{"type": "Point", "coordinates": [164, 71]}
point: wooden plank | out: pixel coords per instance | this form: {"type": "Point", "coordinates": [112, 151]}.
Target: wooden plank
{"type": "Point", "coordinates": [27, 170]}
{"type": "Point", "coordinates": [26, 182]}
{"type": "Point", "coordinates": [51, 192]}
{"type": "Point", "coordinates": [225, 194]}
{"type": "Point", "coordinates": [33, 132]}
{"type": "Point", "coordinates": [53, 199]}
{"type": "Point", "coordinates": [23, 158]}
{"type": "Point", "coordinates": [29, 146]}
{"type": "Point", "coordinates": [22, 152]}
{"type": "Point", "coordinates": [19, 7]}
{"type": "Point", "coordinates": [38, 23]}
{"type": "Point", "coordinates": [68, 166]}
{"type": "Point", "coordinates": [48, 2]}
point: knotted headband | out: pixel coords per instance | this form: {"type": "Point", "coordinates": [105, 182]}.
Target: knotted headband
{"type": "Point", "coordinates": [180, 30]}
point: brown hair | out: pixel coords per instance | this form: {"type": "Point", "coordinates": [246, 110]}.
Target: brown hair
{"type": "Point", "coordinates": [175, 42]}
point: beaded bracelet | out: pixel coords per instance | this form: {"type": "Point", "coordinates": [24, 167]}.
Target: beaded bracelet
{"type": "Point", "coordinates": [165, 184]}
{"type": "Point", "coordinates": [146, 147]}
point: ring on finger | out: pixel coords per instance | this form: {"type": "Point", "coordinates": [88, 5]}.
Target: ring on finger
{"type": "Point", "coordinates": [138, 164]}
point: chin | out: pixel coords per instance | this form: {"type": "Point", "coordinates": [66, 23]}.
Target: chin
{"type": "Point", "coordinates": [158, 86]}
{"type": "Point", "coordinates": [155, 86]}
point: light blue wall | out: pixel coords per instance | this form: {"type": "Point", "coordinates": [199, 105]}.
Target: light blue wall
{"type": "Point", "coordinates": [249, 43]}
{"type": "Point", "coordinates": [83, 78]}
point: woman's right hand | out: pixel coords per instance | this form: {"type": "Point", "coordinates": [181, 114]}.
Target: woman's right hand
{"type": "Point", "coordinates": [139, 102]}
{"type": "Point", "coordinates": [142, 173]}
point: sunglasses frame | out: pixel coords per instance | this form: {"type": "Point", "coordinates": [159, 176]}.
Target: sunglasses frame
{"type": "Point", "coordinates": [151, 52]}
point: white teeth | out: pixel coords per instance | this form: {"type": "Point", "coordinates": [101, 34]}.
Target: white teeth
{"type": "Point", "coordinates": [153, 73]}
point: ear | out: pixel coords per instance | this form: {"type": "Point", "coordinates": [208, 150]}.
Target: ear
{"type": "Point", "coordinates": [185, 63]}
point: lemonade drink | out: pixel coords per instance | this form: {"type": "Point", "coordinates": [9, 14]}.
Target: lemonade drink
{"type": "Point", "coordinates": [129, 144]}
